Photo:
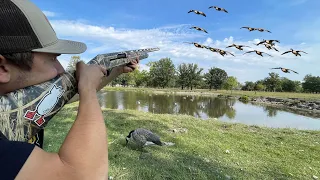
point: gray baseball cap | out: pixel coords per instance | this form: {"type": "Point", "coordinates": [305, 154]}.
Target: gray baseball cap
{"type": "Point", "coordinates": [24, 27]}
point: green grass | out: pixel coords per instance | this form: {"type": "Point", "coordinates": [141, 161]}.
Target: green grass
{"type": "Point", "coordinates": [200, 153]}
{"type": "Point", "coordinates": [306, 96]}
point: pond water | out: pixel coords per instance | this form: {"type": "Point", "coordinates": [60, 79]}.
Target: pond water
{"type": "Point", "coordinates": [205, 107]}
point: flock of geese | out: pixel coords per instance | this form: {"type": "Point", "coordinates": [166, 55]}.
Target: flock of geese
{"type": "Point", "coordinates": [269, 44]}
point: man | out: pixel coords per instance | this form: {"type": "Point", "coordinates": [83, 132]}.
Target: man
{"type": "Point", "coordinates": [29, 49]}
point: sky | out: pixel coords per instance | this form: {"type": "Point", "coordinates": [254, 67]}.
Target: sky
{"type": "Point", "coordinates": [117, 25]}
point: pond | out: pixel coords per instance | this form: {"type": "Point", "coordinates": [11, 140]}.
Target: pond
{"type": "Point", "coordinates": [204, 107]}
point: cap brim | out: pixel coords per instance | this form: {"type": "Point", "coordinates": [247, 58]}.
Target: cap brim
{"type": "Point", "coordinates": [64, 47]}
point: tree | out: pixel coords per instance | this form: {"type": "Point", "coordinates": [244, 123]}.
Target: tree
{"type": "Point", "coordinates": [123, 79]}
{"type": "Point", "coordinates": [73, 61]}
{"type": "Point", "coordinates": [182, 74]}
{"type": "Point", "coordinates": [289, 85]}
{"type": "Point", "coordinates": [259, 87]}
{"type": "Point", "coordinates": [161, 72]}
{"type": "Point", "coordinates": [248, 86]}
{"type": "Point", "coordinates": [193, 76]}
{"type": "Point", "coordinates": [273, 82]}
{"type": "Point", "coordinates": [202, 84]}
{"type": "Point", "coordinates": [311, 84]}
{"type": "Point", "coordinates": [239, 86]}
{"type": "Point", "coordinates": [126, 79]}
{"type": "Point", "coordinates": [230, 84]}
{"type": "Point", "coordinates": [215, 77]}
{"type": "Point", "coordinates": [141, 78]}
{"type": "Point", "coordinates": [298, 86]}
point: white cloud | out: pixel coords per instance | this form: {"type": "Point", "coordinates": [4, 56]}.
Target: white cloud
{"type": "Point", "coordinates": [170, 39]}
{"type": "Point", "coordinates": [143, 67]}
{"type": "Point", "coordinates": [49, 13]}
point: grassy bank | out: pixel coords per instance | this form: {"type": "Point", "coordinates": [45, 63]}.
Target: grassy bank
{"type": "Point", "coordinates": [306, 96]}
{"type": "Point", "coordinates": [199, 153]}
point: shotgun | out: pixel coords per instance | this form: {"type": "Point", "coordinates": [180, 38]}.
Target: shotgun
{"type": "Point", "coordinates": [24, 112]}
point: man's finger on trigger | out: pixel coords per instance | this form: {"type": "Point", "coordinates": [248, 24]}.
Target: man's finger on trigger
{"type": "Point", "coordinates": [104, 70]}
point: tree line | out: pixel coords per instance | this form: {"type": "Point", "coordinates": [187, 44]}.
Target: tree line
{"type": "Point", "coordinates": [164, 74]}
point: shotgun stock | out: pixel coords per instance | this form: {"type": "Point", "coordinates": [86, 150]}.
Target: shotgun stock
{"type": "Point", "coordinates": [24, 112]}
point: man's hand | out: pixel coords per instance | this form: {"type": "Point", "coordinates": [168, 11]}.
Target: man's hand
{"type": "Point", "coordinates": [127, 68]}
{"type": "Point", "coordinates": [89, 76]}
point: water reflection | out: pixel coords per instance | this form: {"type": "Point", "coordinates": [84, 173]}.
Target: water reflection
{"type": "Point", "coordinates": [201, 107]}
{"type": "Point", "coordinates": [271, 111]}
{"type": "Point", "coordinates": [206, 107]}
{"type": "Point", "coordinates": [216, 107]}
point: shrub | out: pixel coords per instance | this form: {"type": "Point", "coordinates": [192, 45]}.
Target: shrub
{"type": "Point", "coordinates": [244, 98]}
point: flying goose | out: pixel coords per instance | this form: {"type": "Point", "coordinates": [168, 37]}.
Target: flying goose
{"type": "Point", "coordinates": [262, 30]}
{"type": "Point", "coordinates": [211, 49]}
{"type": "Point", "coordinates": [218, 8]}
{"type": "Point", "coordinates": [223, 53]}
{"type": "Point", "coordinates": [268, 41]}
{"type": "Point", "coordinates": [270, 46]}
{"type": "Point", "coordinates": [295, 52]}
{"type": "Point", "coordinates": [257, 52]}
{"type": "Point", "coordinates": [249, 28]}
{"type": "Point", "coordinates": [199, 29]}
{"type": "Point", "coordinates": [237, 46]}
{"type": "Point", "coordinates": [196, 44]}
{"type": "Point", "coordinates": [197, 12]}
{"type": "Point", "coordinates": [285, 70]}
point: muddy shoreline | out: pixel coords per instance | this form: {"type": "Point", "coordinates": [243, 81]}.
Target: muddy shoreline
{"type": "Point", "coordinates": [310, 108]}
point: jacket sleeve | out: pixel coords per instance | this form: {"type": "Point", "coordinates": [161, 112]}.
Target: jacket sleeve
{"type": "Point", "coordinates": [13, 155]}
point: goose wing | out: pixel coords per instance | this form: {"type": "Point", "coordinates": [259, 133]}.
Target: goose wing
{"type": "Point", "coordinates": [285, 52]}
{"type": "Point", "coordinates": [293, 71]}
{"type": "Point", "coordinates": [266, 53]}
{"type": "Point", "coordinates": [248, 52]}
{"type": "Point", "coordinates": [303, 52]}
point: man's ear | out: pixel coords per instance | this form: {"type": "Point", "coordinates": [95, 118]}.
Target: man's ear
{"type": "Point", "coordinates": [4, 70]}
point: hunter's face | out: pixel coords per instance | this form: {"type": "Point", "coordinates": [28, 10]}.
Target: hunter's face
{"type": "Point", "coordinates": [45, 67]}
